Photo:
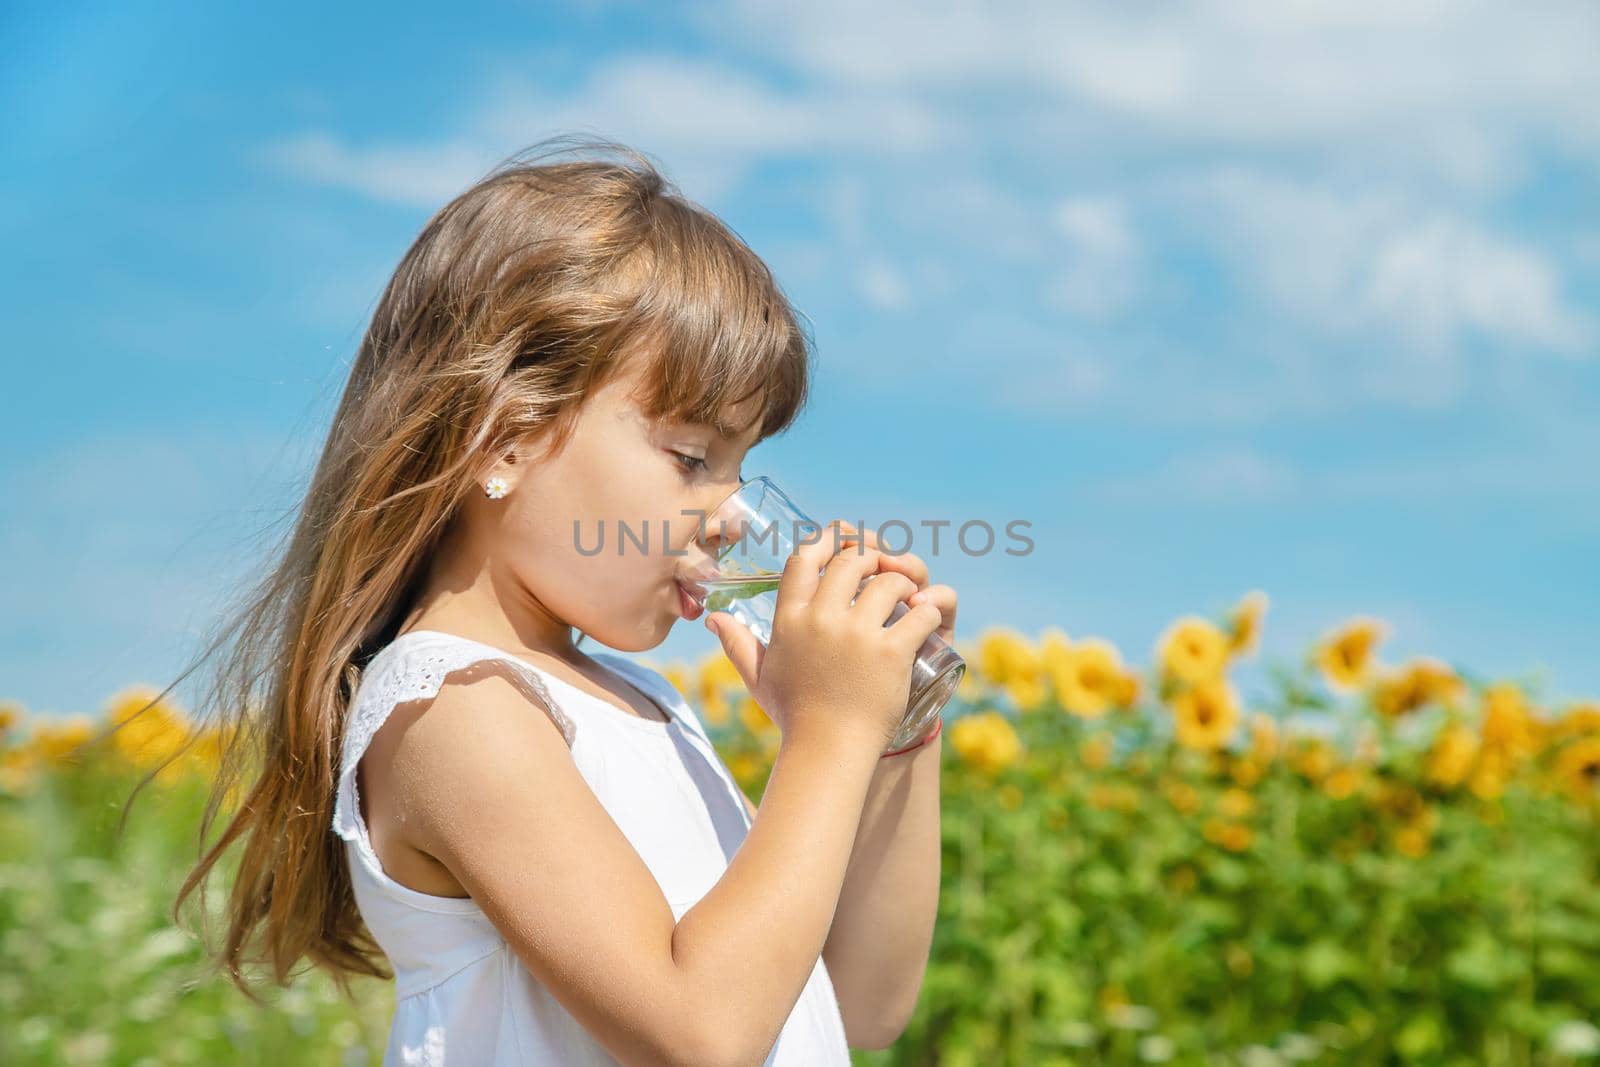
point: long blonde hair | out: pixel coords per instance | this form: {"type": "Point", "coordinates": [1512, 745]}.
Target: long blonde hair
{"type": "Point", "coordinates": [519, 297]}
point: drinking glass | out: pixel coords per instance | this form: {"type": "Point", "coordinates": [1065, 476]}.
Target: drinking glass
{"type": "Point", "coordinates": [753, 531]}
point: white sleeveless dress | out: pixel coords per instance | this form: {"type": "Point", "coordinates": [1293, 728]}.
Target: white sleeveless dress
{"type": "Point", "coordinates": [462, 997]}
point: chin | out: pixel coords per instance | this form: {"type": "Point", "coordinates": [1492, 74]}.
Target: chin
{"type": "Point", "coordinates": [638, 639]}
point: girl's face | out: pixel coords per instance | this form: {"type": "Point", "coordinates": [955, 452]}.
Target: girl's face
{"type": "Point", "coordinates": [596, 536]}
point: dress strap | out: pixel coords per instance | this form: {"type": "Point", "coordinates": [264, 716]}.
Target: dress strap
{"type": "Point", "coordinates": [655, 684]}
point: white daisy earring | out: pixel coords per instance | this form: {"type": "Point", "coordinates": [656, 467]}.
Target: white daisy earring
{"type": "Point", "coordinates": [496, 487]}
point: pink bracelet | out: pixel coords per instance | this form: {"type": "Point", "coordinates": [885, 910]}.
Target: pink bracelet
{"type": "Point", "coordinates": [917, 744]}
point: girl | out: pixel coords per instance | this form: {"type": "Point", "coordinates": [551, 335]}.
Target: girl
{"type": "Point", "coordinates": [542, 842]}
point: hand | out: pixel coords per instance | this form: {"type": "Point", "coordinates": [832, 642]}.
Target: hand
{"type": "Point", "coordinates": [833, 671]}
{"type": "Point", "coordinates": [911, 565]}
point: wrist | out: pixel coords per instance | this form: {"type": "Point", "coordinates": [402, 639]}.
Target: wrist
{"type": "Point", "coordinates": [834, 743]}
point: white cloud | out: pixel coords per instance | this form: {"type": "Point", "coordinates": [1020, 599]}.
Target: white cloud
{"type": "Point", "coordinates": [1550, 464]}
{"type": "Point", "coordinates": [422, 174]}
{"type": "Point", "coordinates": [884, 286]}
{"type": "Point", "coordinates": [1098, 278]}
{"type": "Point", "coordinates": [1378, 262]}
{"type": "Point", "coordinates": [1455, 84]}
{"type": "Point", "coordinates": [1066, 381]}
{"type": "Point", "coordinates": [707, 123]}
{"type": "Point", "coordinates": [949, 130]}
{"type": "Point", "coordinates": [1440, 277]}
{"type": "Point", "coordinates": [1223, 476]}
{"type": "Point", "coordinates": [971, 212]}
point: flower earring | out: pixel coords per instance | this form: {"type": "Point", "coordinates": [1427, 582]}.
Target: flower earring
{"type": "Point", "coordinates": [495, 488]}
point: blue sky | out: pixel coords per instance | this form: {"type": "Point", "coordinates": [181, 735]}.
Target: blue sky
{"type": "Point", "coordinates": [1218, 297]}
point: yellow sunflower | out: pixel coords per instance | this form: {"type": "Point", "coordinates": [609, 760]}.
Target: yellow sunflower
{"type": "Point", "coordinates": [1246, 770]}
{"type": "Point", "coordinates": [1191, 650]}
{"type": "Point", "coordinates": [745, 768]}
{"type": "Point", "coordinates": [1488, 778]}
{"type": "Point", "coordinates": [11, 712]}
{"type": "Point", "coordinates": [1312, 757]}
{"type": "Point", "coordinates": [1235, 837]}
{"type": "Point", "coordinates": [715, 677]}
{"type": "Point", "coordinates": [985, 740]}
{"type": "Point", "coordinates": [1420, 682]}
{"type": "Point", "coordinates": [677, 675]}
{"type": "Point", "coordinates": [1263, 738]}
{"type": "Point", "coordinates": [1401, 801]}
{"type": "Point", "coordinates": [1206, 714]}
{"type": "Point", "coordinates": [1578, 720]}
{"type": "Point", "coordinates": [148, 729]}
{"type": "Point", "coordinates": [1055, 650]}
{"type": "Point", "coordinates": [1028, 694]}
{"type": "Point", "coordinates": [1412, 841]}
{"type": "Point", "coordinates": [1577, 768]}
{"type": "Point", "coordinates": [754, 717]}
{"type": "Point", "coordinates": [18, 767]}
{"type": "Point", "coordinates": [1451, 756]}
{"type": "Point", "coordinates": [1005, 656]}
{"type": "Point", "coordinates": [1509, 725]}
{"type": "Point", "coordinates": [1095, 750]}
{"type": "Point", "coordinates": [971, 688]}
{"type": "Point", "coordinates": [1236, 803]}
{"type": "Point", "coordinates": [206, 755]}
{"type": "Point", "coordinates": [56, 739]}
{"type": "Point", "coordinates": [1345, 657]}
{"type": "Point", "coordinates": [1341, 782]}
{"type": "Point", "coordinates": [1089, 678]}
{"type": "Point", "coordinates": [1244, 623]}
{"type": "Point", "coordinates": [1181, 795]}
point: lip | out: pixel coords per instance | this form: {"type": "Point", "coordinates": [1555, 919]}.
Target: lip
{"type": "Point", "coordinates": [686, 603]}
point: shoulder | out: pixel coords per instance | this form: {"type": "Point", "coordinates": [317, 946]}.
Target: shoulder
{"type": "Point", "coordinates": [487, 700]}
{"type": "Point", "coordinates": [484, 733]}
{"type": "Point", "coordinates": [459, 678]}
{"type": "Point", "coordinates": [423, 709]}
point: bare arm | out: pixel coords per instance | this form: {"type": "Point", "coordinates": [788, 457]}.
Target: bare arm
{"type": "Point", "coordinates": [877, 949]}
{"type": "Point", "coordinates": [492, 793]}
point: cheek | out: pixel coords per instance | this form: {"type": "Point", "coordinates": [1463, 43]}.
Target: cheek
{"type": "Point", "coordinates": [587, 567]}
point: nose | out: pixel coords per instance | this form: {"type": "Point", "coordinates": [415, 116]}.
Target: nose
{"type": "Point", "coordinates": [716, 529]}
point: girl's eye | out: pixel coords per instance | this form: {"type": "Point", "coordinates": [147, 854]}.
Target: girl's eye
{"type": "Point", "coordinates": [692, 463]}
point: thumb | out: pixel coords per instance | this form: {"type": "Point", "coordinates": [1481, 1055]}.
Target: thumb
{"type": "Point", "coordinates": [739, 644]}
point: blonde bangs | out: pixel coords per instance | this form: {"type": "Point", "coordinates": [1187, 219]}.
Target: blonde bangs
{"type": "Point", "coordinates": [718, 327]}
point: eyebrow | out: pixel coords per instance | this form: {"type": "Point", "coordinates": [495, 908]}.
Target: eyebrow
{"type": "Point", "coordinates": [722, 429]}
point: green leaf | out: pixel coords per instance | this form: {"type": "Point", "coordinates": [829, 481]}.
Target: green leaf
{"type": "Point", "coordinates": [1480, 963]}
{"type": "Point", "coordinates": [1326, 962]}
{"type": "Point", "coordinates": [1422, 1035]}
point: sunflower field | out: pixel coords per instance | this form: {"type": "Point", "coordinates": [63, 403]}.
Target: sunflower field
{"type": "Point", "coordinates": [1364, 862]}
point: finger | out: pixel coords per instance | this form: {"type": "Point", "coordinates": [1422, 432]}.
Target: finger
{"type": "Point", "coordinates": [739, 645]}
{"type": "Point", "coordinates": [916, 625]}
{"type": "Point", "coordinates": [941, 594]}
{"type": "Point", "coordinates": [802, 567]}
{"type": "Point", "coordinates": [945, 598]}
{"type": "Point", "coordinates": [906, 563]}
{"type": "Point", "coordinates": [881, 593]}
{"type": "Point", "coordinates": [843, 575]}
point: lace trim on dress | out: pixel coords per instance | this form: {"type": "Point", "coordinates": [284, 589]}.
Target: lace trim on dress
{"type": "Point", "coordinates": [400, 675]}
